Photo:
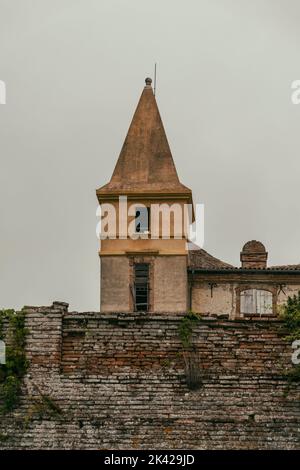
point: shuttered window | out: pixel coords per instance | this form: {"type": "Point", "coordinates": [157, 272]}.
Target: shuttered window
{"type": "Point", "coordinates": [141, 286]}
{"type": "Point", "coordinates": [256, 301]}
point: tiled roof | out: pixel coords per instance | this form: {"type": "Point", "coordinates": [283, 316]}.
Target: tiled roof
{"type": "Point", "coordinates": [285, 267]}
{"type": "Point", "coordinates": [199, 259]}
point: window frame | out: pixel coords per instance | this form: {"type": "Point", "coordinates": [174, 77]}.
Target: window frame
{"type": "Point", "coordinates": [254, 302]}
{"type": "Point", "coordinates": [142, 230]}
{"type": "Point", "coordinates": [141, 258]}
{"type": "Point", "coordinates": [139, 282]}
{"type": "Point", "coordinates": [263, 287]}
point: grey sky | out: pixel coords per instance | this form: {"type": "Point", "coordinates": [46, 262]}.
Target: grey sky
{"type": "Point", "coordinates": [74, 71]}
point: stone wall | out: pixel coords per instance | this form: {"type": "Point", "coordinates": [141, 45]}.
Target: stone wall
{"type": "Point", "coordinates": [108, 381]}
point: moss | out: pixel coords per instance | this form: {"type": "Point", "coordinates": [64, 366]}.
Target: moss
{"type": "Point", "coordinates": [50, 405]}
{"type": "Point", "coordinates": [166, 363]}
{"type": "Point", "coordinates": [4, 437]}
{"type": "Point", "coordinates": [113, 321]}
{"type": "Point", "coordinates": [12, 372]}
{"type": "Point", "coordinates": [42, 407]}
{"type": "Point", "coordinates": [293, 375]}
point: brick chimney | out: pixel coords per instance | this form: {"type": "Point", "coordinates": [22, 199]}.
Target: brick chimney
{"type": "Point", "coordinates": [254, 255]}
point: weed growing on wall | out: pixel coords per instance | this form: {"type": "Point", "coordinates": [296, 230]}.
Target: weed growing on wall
{"type": "Point", "coordinates": [290, 314]}
{"type": "Point", "coordinates": [185, 328]}
{"type": "Point", "coordinates": [191, 358]}
{"type": "Point", "coordinates": [13, 370]}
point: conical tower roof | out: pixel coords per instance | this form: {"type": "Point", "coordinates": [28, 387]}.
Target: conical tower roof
{"type": "Point", "coordinates": [145, 164]}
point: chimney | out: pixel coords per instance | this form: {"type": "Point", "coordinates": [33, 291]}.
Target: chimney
{"type": "Point", "coordinates": [254, 255]}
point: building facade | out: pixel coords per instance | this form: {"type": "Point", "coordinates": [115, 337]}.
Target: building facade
{"type": "Point", "coordinates": [126, 377]}
{"type": "Point", "coordinates": [142, 272]}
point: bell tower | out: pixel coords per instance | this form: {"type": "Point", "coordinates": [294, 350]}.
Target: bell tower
{"type": "Point", "coordinates": [144, 260]}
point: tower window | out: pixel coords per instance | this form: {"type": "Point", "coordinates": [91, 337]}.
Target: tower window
{"type": "Point", "coordinates": [256, 301]}
{"type": "Point", "coordinates": [141, 286]}
{"type": "Point", "coordinates": [142, 220]}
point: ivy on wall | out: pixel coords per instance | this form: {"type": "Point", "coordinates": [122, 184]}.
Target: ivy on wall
{"type": "Point", "coordinates": [191, 358]}
{"type": "Point", "coordinates": [185, 328]}
{"type": "Point", "coordinates": [290, 314]}
{"type": "Point", "coordinates": [13, 370]}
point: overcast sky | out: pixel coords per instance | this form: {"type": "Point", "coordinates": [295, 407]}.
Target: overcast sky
{"type": "Point", "coordinates": [74, 71]}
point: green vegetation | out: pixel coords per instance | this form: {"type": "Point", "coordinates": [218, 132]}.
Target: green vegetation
{"type": "Point", "coordinates": [290, 314]}
{"type": "Point", "coordinates": [186, 326]}
{"type": "Point", "coordinates": [190, 356]}
{"type": "Point", "coordinates": [3, 438]}
{"type": "Point", "coordinates": [16, 365]}
{"type": "Point", "coordinates": [42, 407]}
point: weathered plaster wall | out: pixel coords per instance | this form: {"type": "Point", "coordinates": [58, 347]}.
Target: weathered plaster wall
{"type": "Point", "coordinates": [119, 381]}
{"type": "Point", "coordinates": [287, 291]}
{"type": "Point", "coordinates": [115, 292]}
{"type": "Point", "coordinates": [212, 296]}
{"type": "Point", "coordinates": [170, 284]}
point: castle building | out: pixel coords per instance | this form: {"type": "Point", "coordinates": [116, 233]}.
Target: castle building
{"type": "Point", "coordinates": [141, 374]}
{"type": "Point", "coordinates": [163, 274]}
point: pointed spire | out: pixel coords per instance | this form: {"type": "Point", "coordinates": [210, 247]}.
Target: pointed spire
{"type": "Point", "coordinates": [145, 163]}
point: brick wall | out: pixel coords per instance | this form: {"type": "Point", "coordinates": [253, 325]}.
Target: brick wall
{"type": "Point", "coordinates": [119, 382]}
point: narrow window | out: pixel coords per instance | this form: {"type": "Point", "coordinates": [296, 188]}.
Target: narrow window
{"type": "Point", "coordinates": [141, 286]}
{"type": "Point", "coordinates": [256, 301]}
{"type": "Point", "coordinates": [142, 220]}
